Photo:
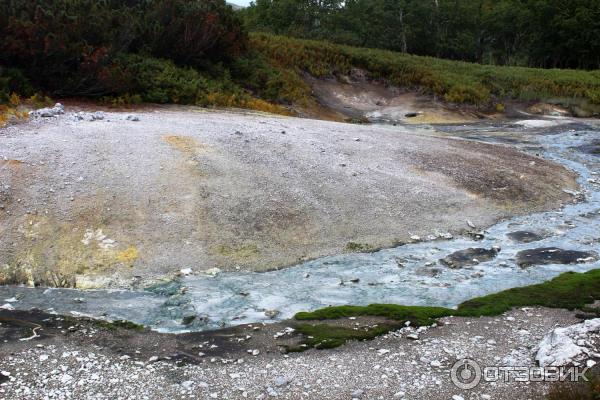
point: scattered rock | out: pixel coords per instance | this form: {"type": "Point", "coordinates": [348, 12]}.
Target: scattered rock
{"type": "Point", "coordinates": [431, 272]}
{"type": "Point", "coordinates": [285, 332]}
{"type": "Point", "coordinates": [478, 236]}
{"type": "Point", "coordinates": [97, 116]}
{"type": "Point", "coordinates": [564, 346]}
{"type": "Point", "coordinates": [85, 116]}
{"type": "Point", "coordinates": [58, 109]}
{"type": "Point", "coordinates": [134, 118]}
{"type": "Point", "coordinates": [548, 109]}
{"type": "Point", "coordinates": [469, 257]}
{"type": "Point", "coordinates": [553, 255]}
{"type": "Point", "coordinates": [213, 272]}
{"type": "Point", "coordinates": [525, 236]}
{"type": "Point", "coordinates": [283, 380]}
{"type": "Point", "coordinates": [272, 314]}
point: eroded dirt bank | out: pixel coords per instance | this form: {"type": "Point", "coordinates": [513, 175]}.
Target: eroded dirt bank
{"type": "Point", "coordinates": [112, 201]}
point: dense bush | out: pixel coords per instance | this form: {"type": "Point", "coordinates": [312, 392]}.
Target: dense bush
{"type": "Point", "coordinates": [78, 47]}
{"type": "Point", "coordinates": [13, 81]}
{"type": "Point", "coordinates": [192, 32]}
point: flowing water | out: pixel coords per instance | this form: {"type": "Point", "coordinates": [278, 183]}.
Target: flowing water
{"type": "Point", "coordinates": [409, 274]}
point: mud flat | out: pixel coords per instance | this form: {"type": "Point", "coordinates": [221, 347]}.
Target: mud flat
{"type": "Point", "coordinates": [105, 200]}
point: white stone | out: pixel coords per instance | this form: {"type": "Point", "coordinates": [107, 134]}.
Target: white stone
{"type": "Point", "coordinates": [560, 347]}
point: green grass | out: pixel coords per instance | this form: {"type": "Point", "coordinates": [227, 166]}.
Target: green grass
{"type": "Point", "coordinates": [328, 337]}
{"type": "Point", "coordinates": [570, 291]}
{"type": "Point", "coordinates": [454, 81]}
{"type": "Point", "coordinates": [415, 314]}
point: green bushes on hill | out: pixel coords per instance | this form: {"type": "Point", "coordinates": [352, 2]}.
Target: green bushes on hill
{"type": "Point", "coordinates": [534, 33]}
{"type": "Point", "coordinates": [197, 52]}
{"type": "Point", "coordinates": [162, 50]}
{"type": "Point", "coordinates": [454, 81]}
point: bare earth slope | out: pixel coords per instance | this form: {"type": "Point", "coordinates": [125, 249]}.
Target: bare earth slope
{"type": "Point", "coordinates": [97, 203]}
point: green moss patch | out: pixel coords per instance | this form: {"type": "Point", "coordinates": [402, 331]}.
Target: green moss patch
{"type": "Point", "coordinates": [324, 336]}
{"type": "Point", "coordinates": [415, 314]}
{"type": "Point", "coordinates": [570, 291]}
{"type": "Point", "coordinates": [353, 247]}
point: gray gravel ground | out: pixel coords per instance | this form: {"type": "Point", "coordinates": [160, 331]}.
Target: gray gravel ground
{"type": "Point", "coordinates": [90, 363]}
{"type": "Point", "coordinates": [96, 203]}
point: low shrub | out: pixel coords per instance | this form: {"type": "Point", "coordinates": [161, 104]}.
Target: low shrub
{"type": "Point", "coordinates": [457, 82]}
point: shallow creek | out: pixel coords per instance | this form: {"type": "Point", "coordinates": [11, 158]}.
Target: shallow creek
{"type": "Point", "coordinates": [411, 274]}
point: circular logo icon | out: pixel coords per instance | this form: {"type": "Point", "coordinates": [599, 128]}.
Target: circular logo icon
{"type": "Point", "coordinates": [466, 374]}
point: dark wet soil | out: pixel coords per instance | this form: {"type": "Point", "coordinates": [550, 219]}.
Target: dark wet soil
{"type": "Point", "coordinates": [553, 255]}
{"type": "Point", "coordinates": [139, 343]}
{"type": "Point", "coordinates": [469, 257]}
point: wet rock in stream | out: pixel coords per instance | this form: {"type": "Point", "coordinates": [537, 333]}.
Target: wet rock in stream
{"type": "Point", "coordinates": [525, 236]}
{"type": "Point", "coordinates": [590, 148]}
{"type": "Point", "coordinates": [553, 255]}
{"type": "Point", "coordinates": [430, 272]}
{"type": "Point", "coordinates": [469, 257]}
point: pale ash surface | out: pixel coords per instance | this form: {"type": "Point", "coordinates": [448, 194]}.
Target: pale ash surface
{"type": "Point", "coordinates": [96, 203]}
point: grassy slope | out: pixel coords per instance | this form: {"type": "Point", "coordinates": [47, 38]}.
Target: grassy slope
{"type": "Point", "coordinates": [457, 82]}
{"type": "Point", "coordinates": [570, 291]}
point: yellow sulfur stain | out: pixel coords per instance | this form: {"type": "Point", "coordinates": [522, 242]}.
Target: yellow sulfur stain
{"type": "Point", "coordinates": [185, 144]}
{"type": "Point", "coordinates": [53, 253]}
{"type": "Point", "coordinates": [438, 118]}
{"type": "Point", "coordinates": [237, 253]}
{"type": "Point", "coordinates": [128, 256]}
